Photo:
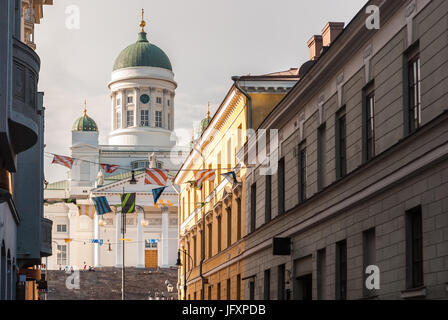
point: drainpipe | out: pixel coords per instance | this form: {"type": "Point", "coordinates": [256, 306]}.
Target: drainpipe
{"type": "Point", "coordinates": [236, 81]}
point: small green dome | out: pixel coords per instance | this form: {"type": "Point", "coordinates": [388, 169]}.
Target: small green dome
{"type": "Point", "coordinates": [85, 123]}
{"type": "Point", "coordinates": [142, 54]}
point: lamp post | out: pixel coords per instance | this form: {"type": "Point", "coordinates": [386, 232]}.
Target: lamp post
{"type": "Point", "coordinates": [123, 232]}
{"type": "Point", "coordinates": [179, 264]}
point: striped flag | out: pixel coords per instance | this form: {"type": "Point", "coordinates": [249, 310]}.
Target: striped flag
{"type": "Point", "coordinates": [156, 176]}
{"type": "Point", "coordinates": [109, 168]}
{"type": "Point", "coordinates": [204, 175]}
{"type": "Point", "coordinates": [128, 203]}
{"type": "Point", "coordinates": [63, 161]}
{"type": "Point", "coordinates": [86, 210]}
{"type": "Point", "coordinates": [157, 193]}
{"type": "Point", "coordinates": [101, 205]}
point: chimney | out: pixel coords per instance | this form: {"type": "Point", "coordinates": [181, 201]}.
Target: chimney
{"type": "Point", "coordinates": [315, 45]}
{"type": "Point", "coordinates": [331, 31]}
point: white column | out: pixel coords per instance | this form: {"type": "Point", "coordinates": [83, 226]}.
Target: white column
{"type": "Point", "coordinates": [123, 109]}
{"type": "Point", "coordinates": [152, 104]}
{"type": "Point", "coordinates": [164, 240]}
{"type": "Point", "coordinates": [140, 244]}
{"type": "Point", "coordinates": [136, 108]}
{"type": "Point", "coordinates": [118, 252]}
{"type": "Point", "coordinates": [113, 97]}
{"type": "Point", "coordinates": [96, 246]}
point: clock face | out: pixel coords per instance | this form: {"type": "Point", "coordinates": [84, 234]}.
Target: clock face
{"type": "Point", "coordinates": [144, 98]}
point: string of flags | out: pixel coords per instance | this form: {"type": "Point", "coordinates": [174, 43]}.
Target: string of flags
{"type": "Point", "coordinates": [153, 176]}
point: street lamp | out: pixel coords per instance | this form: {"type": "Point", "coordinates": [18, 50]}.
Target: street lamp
{"type": "Point", "coordinates": [179, 264]}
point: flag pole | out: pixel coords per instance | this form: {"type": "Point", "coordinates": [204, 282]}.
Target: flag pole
{"type": "Point", "coordinates": [123, 231]}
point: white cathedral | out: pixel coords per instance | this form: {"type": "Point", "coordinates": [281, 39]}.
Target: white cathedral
{"type": "Point", "coordinates": [142, 91]}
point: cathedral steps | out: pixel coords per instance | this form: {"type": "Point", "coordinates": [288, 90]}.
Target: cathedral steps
{"type": "Point", "coordinates": [105, 284]}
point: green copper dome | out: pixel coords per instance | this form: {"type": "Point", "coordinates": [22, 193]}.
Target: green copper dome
{"type": "Point", "coordinates": [142, 54]}
{"type": "Point", "coordinates": [85, 123]}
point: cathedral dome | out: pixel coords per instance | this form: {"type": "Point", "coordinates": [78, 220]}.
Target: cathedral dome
{"type": "Point", "coordinates": [85, 123]}
{"type": "Point", "coordinates": [142, 54]}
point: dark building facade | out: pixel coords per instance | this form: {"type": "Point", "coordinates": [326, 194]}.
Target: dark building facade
{"type": "Point", "coordinates": [362, 179]}
{"type": "Point", "coordinates": [25, 236]}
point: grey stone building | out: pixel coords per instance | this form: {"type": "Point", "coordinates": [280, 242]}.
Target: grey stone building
{"type": "Point", "coordinates": [362, 175]}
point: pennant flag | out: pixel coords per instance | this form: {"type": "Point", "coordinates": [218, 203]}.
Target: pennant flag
{"type": "Point", "coordinates": [109, 168]}
{"type": "Point", "coordinates": [230, 176]}
{"type": "Point", "coordinates": [63, 161]}
{"type": "Point", "coordinates": [86, 210]}
{"type": "Point", "coordinates": [101, 205]}
{"type": "Point", "coordinates": [157, 193]}
{"type": "Point", "coordinates": [128, 203]}
{"type": "Point", "coordinates": [69, 200]}
{"type": "Point", "coordinates": [156, 176]}
{"type": "Point", "coordinates": [204, 175]}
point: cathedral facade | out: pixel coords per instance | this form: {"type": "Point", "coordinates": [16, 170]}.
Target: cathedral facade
{"type": "Point", "coordinates": [142, 91]}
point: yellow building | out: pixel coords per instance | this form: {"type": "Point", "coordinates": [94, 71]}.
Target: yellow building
{"type": "Point", "coordinates": [212, 218]}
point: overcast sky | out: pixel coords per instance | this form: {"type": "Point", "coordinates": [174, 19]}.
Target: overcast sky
{"type": "Point", "coordinates": [207, 41]}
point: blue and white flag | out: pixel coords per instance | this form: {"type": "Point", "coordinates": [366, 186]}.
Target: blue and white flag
{"type": "Point", "coordinates": [230, 176]}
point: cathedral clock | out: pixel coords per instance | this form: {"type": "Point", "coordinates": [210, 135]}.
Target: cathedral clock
{"type": "Point", "coordinates": [144, 98]}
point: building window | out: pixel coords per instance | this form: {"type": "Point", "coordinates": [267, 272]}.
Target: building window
{"type": "Point", "coordinates": [118, 123]}
{"type": "Point", "coordinates": [168, 102]}
{"type": "Point", "coordinates": [368, 122]}
{"type": "Point", "coordinates": [238, 227]}
{"type": "Point", "coordinates": [159, 100]}
{"type": "Point", "coordinates": [321, 156]}
{"type": "Point", "coordinates": [209, 292]}
{"type": "Point", "coordinates": [158, 119]}
{"type": "Point", "coordinates": [252, 290]}
{"type": "Point", "coordinates": [229, 154]}
{"type": "Point", "coordinates": [210, 240]}
{"type": "Point", "coordinates": [130, 99]}
{"type": "Point", "coordinates": [341, 144]}
{"type": "Point", "coordinates": [61, 228]}
{"type": "Point", "coordinates": [129, 118]}
{"type": "Point", "coordinates": [238, 287]}
{"type": "Point", "coordinates": [341, 270]}
{"type": "Point", "coordinates": [229, 226]}
{"type": "Point", "coordinates": [118, 101]}
{"type": "Point", "coordinates": [218, 161]}
{"type": "Point", "coordinates": [253, 207]}
{"type": "Point", "coordinates": [281, 186]}
{"type": "Point", "coordinates": [414, 93]}
{"type": "Point", "coordinates": [202, 234]}
{"type": "Point", "coordinates": [189, 253]}
{"type": "Point", "coordinates": [302, 172]}
{"type": "Point", "coordinates": [267, 284]}
{"type": "Point", "coordinates": [267, 200]}
{"type": "Point", "coordinates": [281, 282]}
{"type": "Point", "coordinates": [414, 248]}
{"type": "Point", "coordinates": [219, 219]}
{"type": "Point", "coordinates": [218, 291]}
{"type": "Point", "coordinates": [228, 289]}
{"type": "Point", "coordinates": [195, 256]}
{"type": "Point", "coordinates": [369, 256]}
{"type": "Point", "coordinates": [321, 273]}
{"type": "Point", "coordinates": [62, 255]}
{"type": "Point", "coordinates": [144, 118]}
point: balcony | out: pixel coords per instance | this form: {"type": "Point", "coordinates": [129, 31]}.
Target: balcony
{"type": "Point", "coordinates": [45, 237]}
{"type": "Point", "coordinates": [24, 117]}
